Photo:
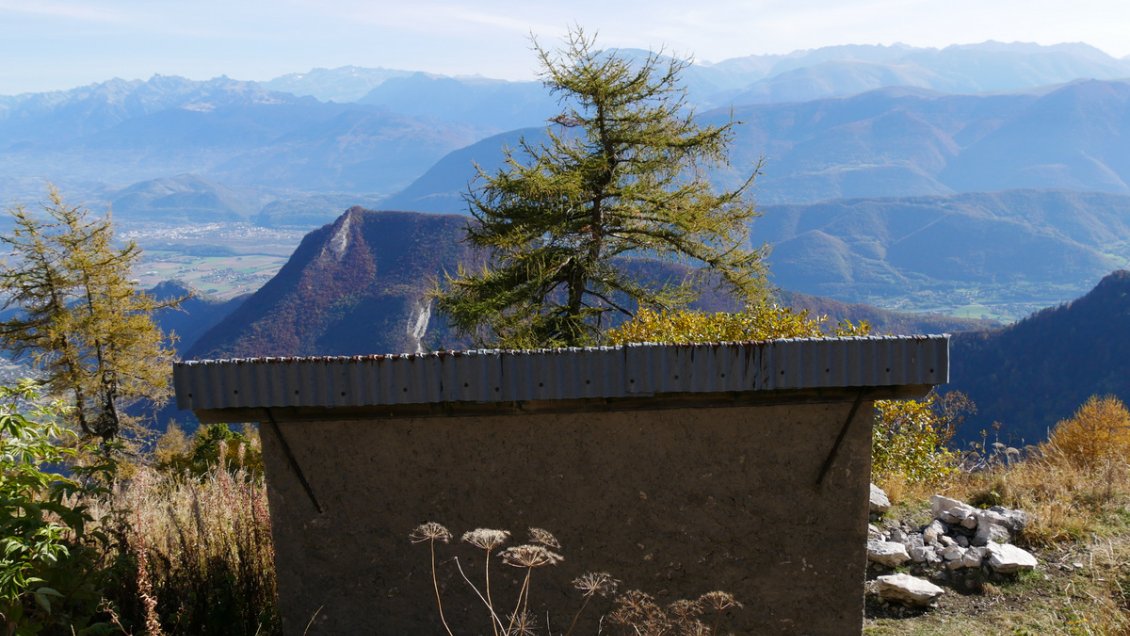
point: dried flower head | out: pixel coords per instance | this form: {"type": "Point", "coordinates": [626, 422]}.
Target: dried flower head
{"type": "Point", "coordinates": [485, 538]}
{"type": "Point", "coordinates": [529, 556]}
{"type": "Point", "coordinates": [684, 610]}
{"type": "Point", "coordinates": [544, 537]}
{"type": "Point", "coordinates": [719, 601]}
{"type": "Point", "coordinates": [524, 624]}
{"type": "Point", "coordinates": [430, 531]}
{"type": "Point", "coordinates": [639, 610]}
{"type": "Point", "coordinates": [593, 583]}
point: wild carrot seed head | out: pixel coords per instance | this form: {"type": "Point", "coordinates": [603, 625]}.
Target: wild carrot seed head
{"type": "Point", "coordinates": [593, 583]}
{"type": "Point", "coordinates": [529, 556]}
{"type": "Point", "coordinates": [430, 531]}
{"type": "Point", "coordinates": [485, 538]}
{"type": "Point", "coordinates": [683, 609]}
{"type": "Point", "coordinates": [544, 537]}
{"type": "Point", "coordinates": [719, 600]}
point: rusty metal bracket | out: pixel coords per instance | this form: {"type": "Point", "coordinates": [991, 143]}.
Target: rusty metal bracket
{"type": "Point", "coordinates": [840, 438]}
{"type": "Point", "coordinates": [293, 462]}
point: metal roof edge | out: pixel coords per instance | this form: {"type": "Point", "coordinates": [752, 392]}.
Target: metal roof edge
{"type": "Point", "coordinates": [490, 375]}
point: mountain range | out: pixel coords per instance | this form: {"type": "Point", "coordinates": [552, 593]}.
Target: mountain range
{"type": "Point", "coordinates": [361, 285]}
{"type": "Point", "coordinates": [834, 71]}
{"type": "Point", "coordinates": [107, 136]}
{"type": "Point", "coordinates": [885, 143]}
{"type": "Point", "coordinates": [1024, 249]}
{"type": "Point", "coordinates": [373, 131]}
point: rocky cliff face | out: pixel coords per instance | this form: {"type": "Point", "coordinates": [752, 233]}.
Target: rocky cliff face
{"type": "Point", "coordinates": [356, 286]}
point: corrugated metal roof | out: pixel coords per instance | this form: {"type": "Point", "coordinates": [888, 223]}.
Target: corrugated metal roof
{"type": "Point", "coordinates": [483, 376]}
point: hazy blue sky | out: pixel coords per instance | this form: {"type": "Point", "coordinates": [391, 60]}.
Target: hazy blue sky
{"type": "Point", "coordinates": [55, 44]}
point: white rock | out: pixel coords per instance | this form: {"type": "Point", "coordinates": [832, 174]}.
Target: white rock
{"type": "Point", "coordinates": [990, 531]}
{"type": "Point", "coordinates": [950, 510]}
{"type": "Point", "coordinates": [1014, 520]}
{"type": "Point", "coordinates": [907, 589]}
{"type": "Point", "coordinates": [933, 532]}
{"type": "Point", "coordinates": [1006, 558]}
{"type": "Point", "coordinates": [972, 558]}
{"type": "Point", "coordinates": [939, 504]}
{"type": "Point", "coordinates": [969, 522]}
{"type": "Point", "coordinates": [990, 516]}
{"type": "Point", "coordinates": [879, 503]}
{"type": "Point", "coordinates": [919, 554]}
{"type": "Point", "coordinates": [953, 553]}
{"type": "Point", "coordinates": [946, 541]}
{"type": "Point", "coordinates": [886, 553]}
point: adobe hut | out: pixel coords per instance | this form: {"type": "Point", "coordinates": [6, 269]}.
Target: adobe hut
{"type": "Point", "coordinates": [741, 467]}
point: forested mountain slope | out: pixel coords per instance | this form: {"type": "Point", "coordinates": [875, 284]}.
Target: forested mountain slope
{"type": "Point", "coordinates": [1032, 374]}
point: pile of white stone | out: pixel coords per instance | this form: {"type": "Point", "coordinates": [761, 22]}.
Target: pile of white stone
{"type": "Point", "coordinates": [961, 543]}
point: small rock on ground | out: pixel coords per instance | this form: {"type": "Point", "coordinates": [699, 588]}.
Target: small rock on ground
{"type": "Point", "coordinates": [908, 590]}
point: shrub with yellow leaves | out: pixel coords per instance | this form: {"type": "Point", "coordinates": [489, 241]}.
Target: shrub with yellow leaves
{"type": "Point", "coordinates": [756, 322]}
{"type": "Point", "coordinates": [1096, 435]}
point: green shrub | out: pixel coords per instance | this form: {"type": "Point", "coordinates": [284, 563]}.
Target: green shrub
{"type": "Point", "coordinates": [909, 438]}
{"type": "Point", "coordinates": [51, 567]}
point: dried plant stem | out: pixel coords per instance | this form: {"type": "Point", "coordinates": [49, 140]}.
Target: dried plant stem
{"type": "Point", "coordinates": [490, 601]}
{"type": "Point", "coordinates": [523, 600]}
{"type": "Point", "coordinates": [496, 622]}
{"type": "Point", "coordinates": [435, 584]}
{"type": "Point", "coordinates": [573, 625]}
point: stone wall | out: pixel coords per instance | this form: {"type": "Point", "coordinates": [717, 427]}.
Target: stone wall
{"type": "Point", "coordinates": [674, 501]}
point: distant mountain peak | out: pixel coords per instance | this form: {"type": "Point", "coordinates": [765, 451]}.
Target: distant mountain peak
{"type": "Point", "coordinates": [357, 285]}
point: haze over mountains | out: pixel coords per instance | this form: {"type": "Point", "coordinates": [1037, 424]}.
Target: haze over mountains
{"type": "Point", "coordinates": [888, 142]}
{"type": "Point", "coordinates": [864, 147]}
{"type": "Point", "coordinates": [373, 131]}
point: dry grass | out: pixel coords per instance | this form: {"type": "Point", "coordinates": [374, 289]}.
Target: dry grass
{"type": "Point", "coordinates": [201, 554]}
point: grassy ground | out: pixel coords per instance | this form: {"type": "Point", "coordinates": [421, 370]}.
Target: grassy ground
{"type": "Point", "coordinates": [1080, 532]}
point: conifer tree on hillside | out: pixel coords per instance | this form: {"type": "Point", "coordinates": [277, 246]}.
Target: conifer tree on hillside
{"type": "Point", "coordinates": [80, 317]}
{"type": "Point", "coordinates": [621, 175]}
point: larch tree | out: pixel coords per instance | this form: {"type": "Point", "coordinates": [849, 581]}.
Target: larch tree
{"type": "Point", "coordinates": [79, 315]}
{"type": "Point", "coordinates": [621, 176]}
